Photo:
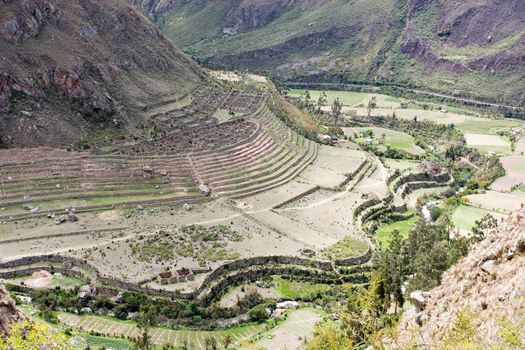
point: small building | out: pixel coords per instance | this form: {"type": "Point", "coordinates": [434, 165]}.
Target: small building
{"type": "Point", "coordinates": [177, 276]}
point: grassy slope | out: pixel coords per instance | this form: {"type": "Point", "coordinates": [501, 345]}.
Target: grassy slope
{"type": "Point", "coordinates": [198, 30]}
{"type": "Point", "coordinates": [370, 50]}
{"type": "Point", "coordinates": [383, 234]}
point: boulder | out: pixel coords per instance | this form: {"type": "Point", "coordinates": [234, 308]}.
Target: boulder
{"type": "Point", "coordinates": [86, 291]}
{"type": "Point", "coordinates": [61, 219]}
{"type": "Point", "coordinates": [187, 206]}
{"type": "Point", "coordinates": [147, 169]}
{"type": "Point", "coordinates": [72, 217]}
{"type": "Point", "coordinates": [419, 300]}
{"type": "Point", "coordinates": [488, 266]}
{"type": "Point", "coordinates": [204, 189]}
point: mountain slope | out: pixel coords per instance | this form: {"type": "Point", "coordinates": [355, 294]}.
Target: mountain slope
{"type": "Point", "coordinates": [480, 300]}
{"type": "Point", "coordinates": [69, 68]}
{"type": "Point", "coordinates": [461, 47]}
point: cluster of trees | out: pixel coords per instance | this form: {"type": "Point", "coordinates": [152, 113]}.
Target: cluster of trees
{"type": "Point", "coordinates": [414, 263]}
{"type": "Point", "coordinates": [161, 310]}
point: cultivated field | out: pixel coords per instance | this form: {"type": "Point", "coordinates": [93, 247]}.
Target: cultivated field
{"type": "Point", "coordinates": [193, 339]}
{"type": "Point", "coordinates": [488, 143]}
{"type": "Point", "coordinates": [514, 174]}
{"type": "Point", "coordinates": [292, 334]}
{"type": "Point", "coordinates": [465, 216]}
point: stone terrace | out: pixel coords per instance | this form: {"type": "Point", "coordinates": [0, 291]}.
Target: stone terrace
{"type": "Point", "coordinates": [239, 157]}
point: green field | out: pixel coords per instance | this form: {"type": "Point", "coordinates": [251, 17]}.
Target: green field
{"type": "Point", "coordinates": [465, 217]}
{"type": "Point", "coordinates": [400, 164]}
{"type": "Point", "coordinates": [520, 188]}
{"type": "Point", "coordinates": [290, 289]}
{"type": "Point", "coordinates": [385, 137]}
{"type": "Point", "coordinates": [350, 98]}
{"type": "Point", "coordinates": [345, 248]}
{"type": "Point", "coordinates": [94, 342]}
{"type": "Point", "coordinates": [383, 234]}
{"type": "Point", "coordinates": [487, 126]}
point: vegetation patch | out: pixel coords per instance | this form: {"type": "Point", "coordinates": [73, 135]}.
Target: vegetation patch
{"type": "Point", "coordinates": [345, 248]}
{"type": "Point", "coordinates": [290, 289]}
{"type": "Point", "coordinates": [465, 216]}
{"type": "Point", "coordinates": [199, 242]}
{"type": "Point", "coordinates": [384, 233]}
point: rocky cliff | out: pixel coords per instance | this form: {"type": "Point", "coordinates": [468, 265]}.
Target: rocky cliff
{"type": "Point", "coordinates": [487, 287]}
{"type": "Point", "coordinates": [70, 67]}
{"type": "Point", "coordinates": [8, 312]}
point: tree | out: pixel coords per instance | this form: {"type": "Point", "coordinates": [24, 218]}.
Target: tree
{"type": "Point", "coordinates": [34, 335]}
{"type": "Point", "coordinates": [488, 222]}
{"type": "Point", "coordinates": [336, 110]}
{"type": "Point", "coordinates": [307, 100]}
{"type": "Point", "coordinates": [227, 341]}
{"type": "Point", "coordinates": [329, 337]}
{"type": "Point", "coordinates": [211, 343]}
{"type": "Point", "coordinates": [372, 103]}
{"type": "Point", "coordinates": [259, 313]}
{"type": "Point", "coordinates": [321, 102]}
{"type": "Point", "coordinates": [144, 320]}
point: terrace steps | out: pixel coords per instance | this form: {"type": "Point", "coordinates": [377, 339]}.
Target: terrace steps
{"type": "Point", "coordinates": [261, 185]}
{"type": "Point", "coordinates": [258, 152]}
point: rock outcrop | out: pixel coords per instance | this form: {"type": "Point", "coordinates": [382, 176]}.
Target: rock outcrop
{"type": "Point", "coordinates": [489, 283]}
{"type": "Point", "coordinates": [8, 312]}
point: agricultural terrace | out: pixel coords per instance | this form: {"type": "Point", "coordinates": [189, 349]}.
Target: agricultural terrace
{"type": "Point", "coordinates": [233, 199]}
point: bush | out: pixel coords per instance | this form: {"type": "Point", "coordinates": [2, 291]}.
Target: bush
{"type": "Point", "coordinates": [259, 313]}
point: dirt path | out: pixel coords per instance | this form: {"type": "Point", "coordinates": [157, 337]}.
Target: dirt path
{"type": "Point", "coordinates": [292, 333]}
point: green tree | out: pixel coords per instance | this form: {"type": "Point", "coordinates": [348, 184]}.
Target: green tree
{"type": "Point", "coordinates": [372, 103]}
{"type": "Point", "coordinates": [329, 337]}
{"type": "Point", "coordinates": [337, 107]}
{"type": "Point", "coordinates": [321, 102]}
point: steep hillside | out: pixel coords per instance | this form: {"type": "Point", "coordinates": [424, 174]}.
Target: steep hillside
{"type": "Point", "coordinates": [8, 312]}
{"type": "Point", "coordinates": [480, 300]}
{"type": "Point", "coordinates": [69, 69]}
{"type": "Point", "coordinates": [456, 47]}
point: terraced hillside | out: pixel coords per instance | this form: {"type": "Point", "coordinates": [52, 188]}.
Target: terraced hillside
{"type": "Point", "coordinates": [250, 152]}
{"type": "Point", "coordinates": [455, 47]}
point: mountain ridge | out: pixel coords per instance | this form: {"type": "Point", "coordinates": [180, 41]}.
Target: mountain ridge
{"type": "Point", "coordinates": [454, 47]}
{"type": "Point", "coordinates": [69, 68]}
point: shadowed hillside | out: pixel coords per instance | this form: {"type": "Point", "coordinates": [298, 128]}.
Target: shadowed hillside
{"type": "Point", "coordinates": [69, 68]}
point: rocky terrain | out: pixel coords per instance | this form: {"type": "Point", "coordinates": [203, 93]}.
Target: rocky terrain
{"type": "Point", "coordinates": [455, 47]}
{"type": "Point", "coordinates": [8, 312]}
{"type": "Point", "coordinates": [488, 286]}
{"type": "Point", "coordinates": [68, 68]}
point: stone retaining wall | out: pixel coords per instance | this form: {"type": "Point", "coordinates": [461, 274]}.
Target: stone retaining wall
{"type": "Point", "coordinates": [297, 197]}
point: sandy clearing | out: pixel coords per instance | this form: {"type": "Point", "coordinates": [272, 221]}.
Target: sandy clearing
{"type": "Point", "coordinates": [332, 165]}
{"type": "Point", "coordinates": [230, 299]}
{"type": "Point", "coordinates": [292, 333]}
{"type": "Point", "coordinates": [39, 279]}
{"type": "Point", "coordinates": [514, 173]}
{"type": "Point", "coordinates": [485, 140]}
{"type": "Point", "coordinates": [520, 146]}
